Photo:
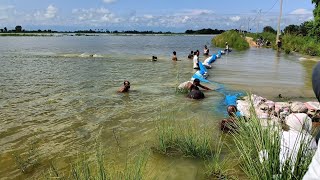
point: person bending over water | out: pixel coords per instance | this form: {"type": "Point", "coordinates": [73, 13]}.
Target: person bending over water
{"type": "Point", "coordinates": [189, 85]}
{"type": "Point", "coordinates": [125, 87]}
{"type": "Point", "coordinates": [229, 124]}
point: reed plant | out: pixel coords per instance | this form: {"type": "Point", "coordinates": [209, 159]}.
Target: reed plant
{"type": "Point", "coordinates": [259, 151]}
{"type": "Point", "coordinates": [219, 167]}
{"type": "Point", "coordinates": [234, 39]}
{"type": "Point", "coordinates": [84, 168]}
{"type": "Point", "coordinates": [187, 137]}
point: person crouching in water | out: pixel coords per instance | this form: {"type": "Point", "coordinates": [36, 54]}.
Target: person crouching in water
{"type": "Point", "coordinates": [195, 92]}
{"type": "Point", "coordinates": [190, 56]}
{"type": "Point", "coordinates": [205, 51]}
{"type": "Point", "coordinates": [229, 124]}
{"type": "Point", "coordinates": [125, 87]}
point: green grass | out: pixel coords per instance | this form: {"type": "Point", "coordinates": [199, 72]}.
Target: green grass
{"type": "Point", "coordinates": [218, 167]}
{"type": "Point", "coordinates": [84, 168]}
{"type": "Point", "coordinates": [291, 43]}
{"type": "Point", "coordinates": [252, 138]}
{"type": "Point", "coordinates": [301, 44]}
{"type": "Point", "coordinates": [234, 39]}
{"type": "Point", "coordinates": [185, 137]}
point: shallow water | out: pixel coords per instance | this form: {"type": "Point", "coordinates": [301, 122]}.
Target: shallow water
{"type": "Point", "coordinates": [60, 93]}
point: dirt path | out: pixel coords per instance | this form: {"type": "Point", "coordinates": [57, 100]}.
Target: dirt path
{"type": "Point", "coordinates": [251, 42]}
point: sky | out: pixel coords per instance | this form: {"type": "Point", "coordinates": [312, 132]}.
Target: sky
{"type": "Point", "coordinates": [155, 15]}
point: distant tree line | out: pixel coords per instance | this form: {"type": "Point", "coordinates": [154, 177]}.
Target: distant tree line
{"type": "Point", "coordinates": [205, 31]}
{"type": "Point", "coordinates": [18, 29]}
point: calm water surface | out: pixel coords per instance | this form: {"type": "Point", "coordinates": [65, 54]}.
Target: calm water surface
{"type": "Point", "coordinates": [55, 95]}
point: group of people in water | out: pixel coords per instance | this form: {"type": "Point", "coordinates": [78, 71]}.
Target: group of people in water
{"type": "Point", "coordinates": [295, 123]}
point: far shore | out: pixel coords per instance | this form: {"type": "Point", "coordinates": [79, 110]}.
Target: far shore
{"type": "Point", "coordinates": [101, 34]}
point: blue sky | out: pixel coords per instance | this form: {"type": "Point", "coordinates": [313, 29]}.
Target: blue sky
{"type": "Point", "coordinates": [156, 15]}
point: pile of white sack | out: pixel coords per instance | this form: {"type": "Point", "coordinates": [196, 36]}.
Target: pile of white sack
{"type": "Point", "coordinates": [273, 112]}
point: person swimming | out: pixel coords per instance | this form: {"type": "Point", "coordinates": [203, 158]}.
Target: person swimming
{"type": "Point", "coordinates": [125, 87]}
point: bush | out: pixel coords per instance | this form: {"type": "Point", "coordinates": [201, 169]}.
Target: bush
{"type": "Point", "coordinates": [234, 39]}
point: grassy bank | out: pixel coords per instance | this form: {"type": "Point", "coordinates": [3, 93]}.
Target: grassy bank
{"type": "Point", "coordinates": [300, 44]}
{"type": "Point", "coordinates": [234, 39]}
{"type": "Point", "coordinates": [291, 43]}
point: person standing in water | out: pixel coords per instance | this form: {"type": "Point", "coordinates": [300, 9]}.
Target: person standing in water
{"type": "Point", "coordinates": [206, 51]}
{"type": "Point", "coordinates": [190, 56]}
{"type": "Point", "coordinates": [227, 48]}
{"type": "Point", "coordinates": [174, 57]}
{"type": "Point", "coordinates": [196, 60]}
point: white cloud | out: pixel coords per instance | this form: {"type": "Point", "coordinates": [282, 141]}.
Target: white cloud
{"type": "Point", "coordinates": [301, 11]}
{"type": "Point", "coordinates": [109, 1]}
{"type": "Point", "coordinates": [6, 7]}
{"type": "Point", "coordinates": [235, 18]}
{"type": "Point", "coordinates": [94, 16]}
{"type": "Point", "coordinates": [51, 12]}
{"type": "Point", "coordinates": [148, 16]}
{"type": "Point", "coordinates": [194, 12]}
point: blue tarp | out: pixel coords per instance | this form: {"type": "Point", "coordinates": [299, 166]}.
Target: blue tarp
{"type": "Point", "coordinates": [213, 58]}
{"type": "Point", "coordinates": [200, 77]}
{"type": "Point", "coordinates": [203, 70]}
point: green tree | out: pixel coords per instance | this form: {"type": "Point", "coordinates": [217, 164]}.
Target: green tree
{"type": "Point", "coordinates": [292, 29]}
{"type": "Point", "coordinates": [269, 29]}
{"type": "Point", "coordinates": [306, 28]}
{"type": "Point", "coordinates": [18, 28]}
{"type": "Point", "coordinates": [316, 24]}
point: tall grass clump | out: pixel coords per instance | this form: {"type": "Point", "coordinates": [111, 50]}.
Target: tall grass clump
{"type": "Point", "coordinates": [84, 168]}
{"type": "Point", "coordinates": [218, 167]}
{"type": "Point", "coordinates": [259, 150]}
{"type": "Point", "coordinates": [234, 39]}
{"type": "Point", "coordinates": [301, 44]}
{"type": "Point", "coordinates": [187, 137]}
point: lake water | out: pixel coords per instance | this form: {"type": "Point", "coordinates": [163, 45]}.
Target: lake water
{"type": "Point", "coordinates": [55, 95]}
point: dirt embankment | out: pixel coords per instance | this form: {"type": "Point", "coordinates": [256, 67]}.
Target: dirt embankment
{"type": "Point", "coordinates": [251, 42]}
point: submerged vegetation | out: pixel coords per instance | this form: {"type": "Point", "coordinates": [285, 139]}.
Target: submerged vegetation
{"type": "Point", "coordinates": [84, 168]}
{"type": "Point", "coordinates": [235, 40]}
